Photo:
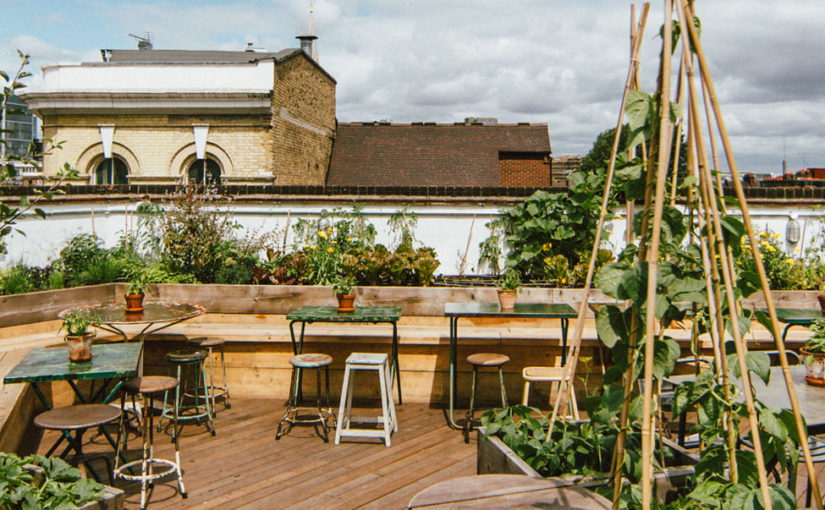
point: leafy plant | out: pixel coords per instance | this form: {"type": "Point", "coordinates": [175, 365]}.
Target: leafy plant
{"type": "Point", "coordinates": [15, 280]}
{"type": "Point", "coordinates": [816, 344]}
{"type": "Point", "coordinates": [61, 487]}
{"type": "Point", "coordinates": [77, 322]}
{"type": "Point", "coordinates": [510, 280]}
{"type": "Point", "coordinates": [343, 285]}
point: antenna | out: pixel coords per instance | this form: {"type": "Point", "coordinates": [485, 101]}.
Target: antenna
{"type": "Point", "coordinates": [144, 42]}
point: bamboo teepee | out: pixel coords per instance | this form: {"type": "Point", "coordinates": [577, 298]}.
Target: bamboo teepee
{"type": "Point", "coordinates": [698, 111]}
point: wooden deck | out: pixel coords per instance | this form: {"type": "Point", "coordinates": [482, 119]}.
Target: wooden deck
{"type": "Point", "coordinates": [243, 466]}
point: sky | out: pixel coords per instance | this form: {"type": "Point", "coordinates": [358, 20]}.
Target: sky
{"type": "Point", "coordinates": [558, 62]}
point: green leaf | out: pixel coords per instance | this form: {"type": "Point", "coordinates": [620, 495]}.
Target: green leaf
{"type": "Point", "coordinates": [610, 277]}
{"type": "Point", "coordinates": [772, 425]}
{"type": "Point", "coordinates": [610, 325]}
{"type": "Point", "coordinates": [781, 497]}
{"type": "Point", "coordinates": [40, 213]}
{"type": "Point", "coordinates": [746, 467]}
{"type": "Point", "coordinates": [665, 354]}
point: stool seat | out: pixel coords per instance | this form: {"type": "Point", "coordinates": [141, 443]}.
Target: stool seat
{"type": "Point", "coordinates": [149, 384]}
{"type": "Point", "coordinates": [488, 359]}
{"type": "Point", "coordinates": [186, 356]}
{"type": "Point", "coordinates": [539, 374]}
{"type": "Point", "coordinates": [207, 341]}
{"type": "Point", "coordinates": [366, 358]}
{"type": "Point", "coordinates": [310, 360]}
{"type": "Point", "coordinates": [77, 417]}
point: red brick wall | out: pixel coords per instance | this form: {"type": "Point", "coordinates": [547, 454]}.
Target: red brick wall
{"type": "Point", "coordinates": [524, 169]}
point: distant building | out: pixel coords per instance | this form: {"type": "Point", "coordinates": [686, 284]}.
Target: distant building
{"type": "Point", "coordinates": [477, 152]}
{"type": "Point", "coordinates": [159, 116]}
{"type": "Point", "coordinates": [563, 166]}
{"type": "Point", "coordinates": [22, 130]}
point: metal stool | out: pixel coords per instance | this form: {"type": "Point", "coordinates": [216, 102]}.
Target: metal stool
{"type": "Point", "coordinates": [388, 421]}
{"type": "Point", "coordinates": [147, 387]}
{"type": "Point", "coordinates": [209, 343]}
{"type": "Point", "coordinates": [484, 359]}
{"type": "Point", "coordinates": [291, 415]}
{"type": "Point", "coordinates": [79, 418]}
{"type": "Point", "coordinates": [192, 361]}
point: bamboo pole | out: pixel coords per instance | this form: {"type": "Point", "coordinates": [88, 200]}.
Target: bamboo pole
{"type": "Point", "coordinates": [570, 367]}
{"type": "Point", "coordinates": [662, 160]}
{"type": "Point", "coordinates": [286, 231]}
{"type": "Point", "coordinates": [780, 345]}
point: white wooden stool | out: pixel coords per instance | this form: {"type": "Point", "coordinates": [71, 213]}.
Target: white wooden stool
{"type": "Point", "coordinates": [367, 361]}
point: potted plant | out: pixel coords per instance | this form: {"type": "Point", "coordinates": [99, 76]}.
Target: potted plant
{"type": "Point", "coordinates": [507, 286]}
{"type": "Point", "coordinates": [78, 335]}
{"type": "Point", "coordinates": [814, 351]}
{"type": "Point", "coordinates": [343, 289]}
{"type": "Point", "coordinates": [138, 285]}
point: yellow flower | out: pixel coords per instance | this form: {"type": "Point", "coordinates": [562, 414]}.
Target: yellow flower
{"type": "Point", "coordinates": [306, 245]}
{"type": "Point", "coordinates": [777, 235]}
{"type": "Point", "coordinates": [564, 280]}
{"type": "Point", "coordinates": [329, 229]}
{"type": "Point", "coordinates": [312, 247]}
{"type": "Point", "coordinates": [546, 246]}
{"type": "Point", "coordinates": [334, 241]}
{"type": "Point", "coordinates": [546, 260]}
{"type": "Point", "coordinates": [789, 261]}
{"type": "Point", "coordinates": [349, 239]}
{"type": "Point", "coordinates": [771, 249]}
{"type": "Point", "coordinates": [323, 234]}
{"type": "Point", "coordinates": [330, 249]}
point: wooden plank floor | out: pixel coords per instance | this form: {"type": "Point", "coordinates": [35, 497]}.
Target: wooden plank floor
{"type": "Point", "coordinates": [243, 466]}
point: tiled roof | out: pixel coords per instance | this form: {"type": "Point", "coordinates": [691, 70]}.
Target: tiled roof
{"type": "Point", "coordinates": [428, 154]}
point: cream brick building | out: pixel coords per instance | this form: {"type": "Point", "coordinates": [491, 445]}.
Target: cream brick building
{"type": "Point", "coordinates": [159, 116]}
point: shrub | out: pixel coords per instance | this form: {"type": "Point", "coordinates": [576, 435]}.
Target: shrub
{"type": "Point", "coordinates": [15, 280]}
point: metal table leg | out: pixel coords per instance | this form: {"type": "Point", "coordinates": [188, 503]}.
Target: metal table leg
{"type": "Point", "coordinates": [453, 354]}
{"type": "Point", "coordinates": [564, 328]}
{"type": "Point", "coordinates": [395, 367]}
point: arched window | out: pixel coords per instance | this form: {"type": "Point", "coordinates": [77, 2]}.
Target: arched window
{"type": "Point", "coordinates": [112, 171]}
{"type": "Point", "coordinates": [205, 171]}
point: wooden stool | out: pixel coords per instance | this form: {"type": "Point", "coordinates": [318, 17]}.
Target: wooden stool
{"type": "Point", "coordinates": [484, 359]}
{"type": "Point", "coordinates": [292, 413]}
{"type": "Point", "coordinates": [192, 361]}
{"type": "Point", "coordinates": [147, 387]}
{"type": "Point", "coordinates": [209, 343]}
{"type": "Point", "coordinates": [389, 423]}
{"type": "Point", "coordinates": [553, 375]}
{"type": "Point", "coordinates": [78, 418]}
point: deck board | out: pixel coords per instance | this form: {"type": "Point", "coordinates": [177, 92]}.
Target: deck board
{"type": "Point", "coordinates": [243, 466]}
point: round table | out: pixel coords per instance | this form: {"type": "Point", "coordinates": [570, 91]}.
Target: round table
{"type": "Point", "coordinates": [507, 491]}
{"type": "Point", "coordinates": [156, 315]}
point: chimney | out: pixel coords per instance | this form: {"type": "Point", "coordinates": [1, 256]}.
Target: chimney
{"type": "Point", "coordinates": [308, 45]}
{"type": "Point", "coordinates": [144, 41]}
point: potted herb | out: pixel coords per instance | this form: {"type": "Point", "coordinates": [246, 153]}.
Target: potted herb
{"type": "Point", "coordinates": [343, 289]}
{"type": "Point", "coordinates": [136, 291]}
{"type": "Point", "coordinates": [79, 336]}
{"type": "Point", "coordinates": [814, 351]}
{"type": "Point", "coordinates": [507, 286]}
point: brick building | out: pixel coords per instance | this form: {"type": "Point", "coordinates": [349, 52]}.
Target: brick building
{"type": "Point", "coordinates": [157, 116]}
{"type": "Point", "coordinates": [472, 153]}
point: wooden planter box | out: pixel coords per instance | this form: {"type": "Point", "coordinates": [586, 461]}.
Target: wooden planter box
{"type": "Point", "coordinates": [495, 457]}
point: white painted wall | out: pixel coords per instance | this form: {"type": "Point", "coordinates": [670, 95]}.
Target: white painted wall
{"type": "Point", "coordinates": [452, 230]}
{"type": "Point", "coordinates": [115, 77]}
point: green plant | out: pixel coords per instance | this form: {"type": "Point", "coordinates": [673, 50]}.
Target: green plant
{"type": "Point", "coordinates": [816, 344]}
{"type": "Point", "coordinates": [77, 322]}
{"type": "Point", "coordinates": [510, 280]}
{"type": "Point", "coordinates": [343, 285]}
{"type": "Point", "coordinates": [490, 250]}
{"type": "Point", "coordinates": [402, 225]}
{"type": "Point", "coordinates": [61, 487]}
{"type": "Point", "coordinates": [15, 280]}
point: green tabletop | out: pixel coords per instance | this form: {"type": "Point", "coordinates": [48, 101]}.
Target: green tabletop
{"type": "Point", "coordinates": [52, 364]}
{"type": "Point", "coordinates": [536, 310]}
{"type": "Point", "coordinates": [801, 316]}
{"type": "Point", "coordinates": [157, 311]}
{"type": "Point", "coordinates": [330, 314]}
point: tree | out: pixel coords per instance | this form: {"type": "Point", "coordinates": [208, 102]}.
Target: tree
{"type": "Point", "coordinates": [8, 169]}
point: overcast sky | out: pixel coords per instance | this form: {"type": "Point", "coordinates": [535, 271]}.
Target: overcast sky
{"type": "Point", "coordinates": [559, 62]}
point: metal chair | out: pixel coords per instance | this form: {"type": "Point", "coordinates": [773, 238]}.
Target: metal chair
{"type": "Point", "coordinates": [292, 415]}
{"type": "Point", "coordinates": [197, 392]}
{"type": "Point", "coordinates": [147, 387]}
{"type": "Point", "coordinates": [77, 419]}
{"type": "Point", "coordinates": [209, 343]}
{"type": "Point", "coordinates": [484, 359]}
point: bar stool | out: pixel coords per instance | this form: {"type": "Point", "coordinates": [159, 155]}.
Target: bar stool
{"type": "Point", "coordinates": [209, 343]}
{"type": "Point", "coordinates": [292, 413]}
{"type": "Point", "coordinates": [79, 418]}
{"type": "Point", "coordinates": [484, 359]}
{"type": "Point", "coordinates": [389, 424]}
{"type": "Point", "coordinates": [191, 361]}
{"type": "Point", "coordinates": [147, 387]}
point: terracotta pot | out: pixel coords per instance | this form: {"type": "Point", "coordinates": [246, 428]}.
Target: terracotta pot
{"type": "Point", "coordinates": [346, 302]}
{"type": "Point", "coordinates": [134, 302]}
{"type": "Point", "coordinates": [814, 367]}
{"type": "Point", "coordinates": [507, 298]}
{"type": "Point", "coordinates": [80, 347]}
{"type": "Point", "coordinates": [821, 299]}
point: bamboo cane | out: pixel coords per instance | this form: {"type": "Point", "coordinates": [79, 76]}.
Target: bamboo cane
{"type": "Point", "coordinates": [286, 231]}
{"type": "Point", "coordinates": [760, 269]}
{"type": "Point", "coordinates": [570, 367]}
{"type": "Point", "coordinates": [663, 158]}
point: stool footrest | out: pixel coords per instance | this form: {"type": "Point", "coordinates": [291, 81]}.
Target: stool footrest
{"type": "Point", "coordinates": [173, 470]}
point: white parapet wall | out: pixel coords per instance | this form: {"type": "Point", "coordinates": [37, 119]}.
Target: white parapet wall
{"type": "Point", "coordinates": [455, 231]}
